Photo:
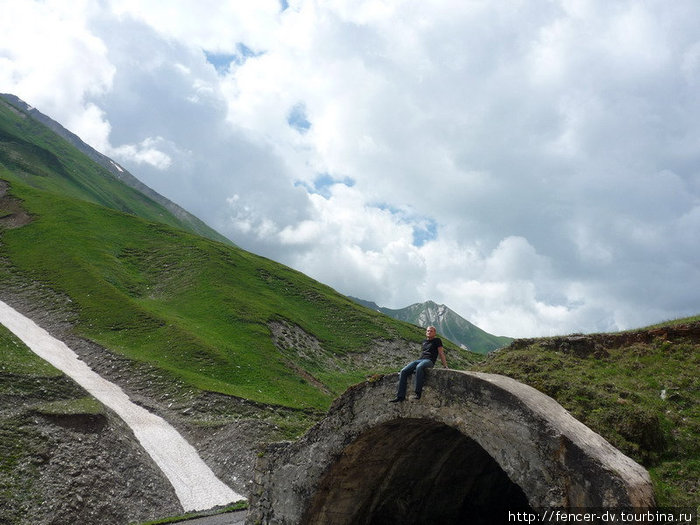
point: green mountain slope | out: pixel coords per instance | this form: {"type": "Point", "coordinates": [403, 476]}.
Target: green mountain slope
{"type": "Point", "coordinates": [45, 155]}
{"type": "Point", "coordinates": [448, 323]}
{"type": "Point", "coordinates": [196, 312]}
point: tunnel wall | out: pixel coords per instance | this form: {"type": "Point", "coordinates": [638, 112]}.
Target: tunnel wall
{"type": "Point", "coordinates": [554, 459]}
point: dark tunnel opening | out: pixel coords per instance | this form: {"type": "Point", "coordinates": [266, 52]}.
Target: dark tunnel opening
{"type": "Point", "coordinates": [414, 471]}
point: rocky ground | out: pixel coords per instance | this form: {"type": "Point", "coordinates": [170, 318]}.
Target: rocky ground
{"type": "Point", "coordinates": [84, 466]}
{"type": "Point", "coordinates": [78, 467]}
{"type": "Point", "coordinates": [89, 467]}
{"type": "Point", "coordinates": [598, 344]}
{"type": "Point", "coordinates": [13, 214]}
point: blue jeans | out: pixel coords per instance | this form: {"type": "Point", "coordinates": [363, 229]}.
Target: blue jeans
{"type": "Point", "coordinates": [419, 366]}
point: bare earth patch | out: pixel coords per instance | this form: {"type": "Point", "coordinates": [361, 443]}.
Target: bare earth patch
{"type": "Point", "coordinates": [12, 214]}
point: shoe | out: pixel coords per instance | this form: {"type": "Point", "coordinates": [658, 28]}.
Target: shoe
{"type": "Point", "coordinates": [397, 400]}
{"type": "Point", "coordinates": [415, 397]}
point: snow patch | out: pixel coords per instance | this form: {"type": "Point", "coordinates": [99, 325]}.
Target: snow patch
{"type": "Point", "coordinates": [195, 484]}
{"type": "Point", "coordinates": [116, 166]}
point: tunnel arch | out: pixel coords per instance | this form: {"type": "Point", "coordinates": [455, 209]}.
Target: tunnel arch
{"type": "Point", "coordinates": [480, 436]}
{"type": "Point", "coordinates": [418, 469]}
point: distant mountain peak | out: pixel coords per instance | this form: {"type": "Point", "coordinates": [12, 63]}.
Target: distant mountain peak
{"type": "Point", "coordinates": [448, 323]}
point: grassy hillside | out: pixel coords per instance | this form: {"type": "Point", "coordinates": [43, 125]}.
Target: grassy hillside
{"type": "Point", "coordinates": [44, 132]}
{"type": "Point", "coordinates": [230, 347]}
{"type": "Point", "coordinates": [639, 389]}
{"type": "Point", "coordinates": [42, 159]}
{"type": "Point", "coordinates": [194, 308]}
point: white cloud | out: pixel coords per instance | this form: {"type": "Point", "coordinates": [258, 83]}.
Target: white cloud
{"type": "Point", "coordinates": [51, 58]}
{"type": "Point", "coordinates": [362, 249]}
{"type": "Point", "coordinates": [146, 152]}
{"type": "Point", "coordinates": [208, 24]}
{"type": "Point", "coordinates": [532, 165]}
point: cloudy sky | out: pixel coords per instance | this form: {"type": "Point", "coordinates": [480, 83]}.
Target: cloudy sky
{"type": "Point", "coordinates": [534, 165]}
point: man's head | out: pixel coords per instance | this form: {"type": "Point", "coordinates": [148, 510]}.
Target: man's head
{"type": "Point", "coordinates": [430, 332]}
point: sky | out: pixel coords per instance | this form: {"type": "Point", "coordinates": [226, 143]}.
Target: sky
{"type": "Point", "coordinates": [534, 165]}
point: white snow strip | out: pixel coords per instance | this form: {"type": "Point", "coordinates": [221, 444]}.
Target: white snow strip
{"type": "Point", "coordinates": [195, 484]}
{"type": "Point", "coordinates": [117, 166]}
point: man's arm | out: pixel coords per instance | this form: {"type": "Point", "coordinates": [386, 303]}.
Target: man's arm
{"type": "Point", "coordinates": [441, 353]}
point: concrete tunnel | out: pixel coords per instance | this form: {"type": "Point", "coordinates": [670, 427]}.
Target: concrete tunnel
{"type": "Point", "coordinates": [475, 447]}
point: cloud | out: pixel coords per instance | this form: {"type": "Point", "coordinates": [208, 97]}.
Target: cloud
{"type": "Point", "coordinates": [228, 24]}
{"type": "Point", "coordinates": [49, 55]}
{"type": "Point", "coordinates": [532, 165]}
{"type": "Point", "coordinates": [146, 152]}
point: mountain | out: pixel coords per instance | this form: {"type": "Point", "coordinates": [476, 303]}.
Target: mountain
{"type": "Point", "coordinates": [449, 324]}
{"type": "Point", "coordinates": [35, 124]}
{"type": "Point", "coordinates": [235, 350]}
{"type": "Point", "coordinates": [231, 348]}
{"type": "Point", "coordinates": [137, 280]}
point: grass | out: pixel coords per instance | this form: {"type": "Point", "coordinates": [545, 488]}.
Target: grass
{"type": "Point", "coordinates": [195, 309]}
{"type": "Point", "coordinates": [643, 397]}
{"type": "Point", "coordinates": [44, 160]}
{"type": "Point", "coordinates": [18, 360]}
{"type": "Point", "coordinates": [674, 322]}
{"type": "Point", "coordinates": [241, 505]}
{"type": "Point", "coordinates": [86, 405]}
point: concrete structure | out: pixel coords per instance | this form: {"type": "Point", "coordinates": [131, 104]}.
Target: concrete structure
{"type": "Point", "coordinates": [475, 446]}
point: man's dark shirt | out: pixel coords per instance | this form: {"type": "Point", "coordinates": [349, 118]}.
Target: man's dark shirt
{"type": "Point", "coordinates": [430, 349]}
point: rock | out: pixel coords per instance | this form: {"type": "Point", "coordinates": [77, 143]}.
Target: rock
{"type": "Point", "coordinates": [474, 444]}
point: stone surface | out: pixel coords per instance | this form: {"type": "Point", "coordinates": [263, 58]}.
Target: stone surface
{"type": "Point", "coordinates": [473, 445]}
